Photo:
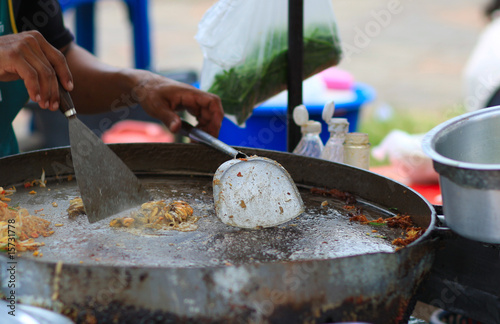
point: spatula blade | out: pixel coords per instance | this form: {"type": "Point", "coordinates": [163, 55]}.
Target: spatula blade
{"type": "Point", "coordinates": [107, 185]}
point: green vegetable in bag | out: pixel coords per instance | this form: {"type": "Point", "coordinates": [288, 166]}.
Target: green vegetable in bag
{"type": "Point", "coordinates": [244, 86]}
{"type": "Point", "coordinates": [245, 48]}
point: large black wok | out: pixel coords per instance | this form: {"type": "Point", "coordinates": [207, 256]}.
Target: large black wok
{"type": "Point", "coordinates": [317, 268]}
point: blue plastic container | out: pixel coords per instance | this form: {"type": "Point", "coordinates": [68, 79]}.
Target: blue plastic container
{"type": "Point", "coordinates": [266, 128]}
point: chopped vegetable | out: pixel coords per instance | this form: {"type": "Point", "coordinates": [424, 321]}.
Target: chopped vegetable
{"type": "Point", "coordinates": [398, 221]}
{"type": "Point", "coordinates": [4, 193]}
{"type": "Point", "coordinates": [411, 235]}
{"type": "Point", "coordinates": [40, 182]}
{"type": "Point", "coordinates": [76, 207]}
{"type": "Point", "coordinates": [359, 218]}
{"type": "Point", "coordinates": [18, 229]}
{"type": "Point", "coordinates": [343, 195]}
{"type": "Point", "coordinates": [376, 224]}
{"type": "Point", "coordinates": [404, 222]}
{"type": "Point", "coordinates": [122, 222]}
{"type": "Point", "coordinates": [177, 215]}
{"type": "Point", "coordinates": [37, 182]}
{"type": "Point", "coordinates": [243, 86]}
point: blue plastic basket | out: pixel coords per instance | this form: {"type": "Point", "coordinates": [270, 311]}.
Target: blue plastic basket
{"type": "Point", "coordinates": [266, 128]}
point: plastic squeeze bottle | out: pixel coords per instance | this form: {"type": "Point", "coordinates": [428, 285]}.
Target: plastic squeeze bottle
{"type": "Point", "coordinates": [310, 144]}
{"type": "Point", "coordinates": [338, 128]}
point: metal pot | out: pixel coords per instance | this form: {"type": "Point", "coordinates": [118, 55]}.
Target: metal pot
{"type": "Point", "coordinates": [261, 282]}
{"type": "Point", "coordinates": [466, 154]}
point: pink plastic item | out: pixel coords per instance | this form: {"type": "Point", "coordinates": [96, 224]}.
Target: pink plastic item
{"type": "Point", "coordinates": [132, 131]}
{"type": "Point", "coordinates": [337, 79]}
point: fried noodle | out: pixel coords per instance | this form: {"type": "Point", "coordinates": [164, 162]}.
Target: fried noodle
{"type": "Point", "coordinates": [23, 226]}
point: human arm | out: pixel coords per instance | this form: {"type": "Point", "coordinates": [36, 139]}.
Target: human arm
{"type": "Point", "coordinates": [100, 87]}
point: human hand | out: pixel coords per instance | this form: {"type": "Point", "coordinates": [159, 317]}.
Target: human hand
{"type": "Point", "coordinates": [161, 98]}
{"type": "Point", "coordinates": [28, 56]}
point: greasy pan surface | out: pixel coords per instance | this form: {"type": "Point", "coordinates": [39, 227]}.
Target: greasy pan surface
{"type": "Point", "coordinates": [319, 233]}
{"type": "Point", "coordinates": [220, 274]}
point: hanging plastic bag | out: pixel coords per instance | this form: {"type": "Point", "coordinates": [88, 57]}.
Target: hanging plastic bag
{"type": "Point", "coordinates": [245, 46]}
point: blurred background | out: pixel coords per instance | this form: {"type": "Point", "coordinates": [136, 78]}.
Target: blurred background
{"type": "Point", "coordinates": [414, 59]}
{"type": "Point", "coordinates": [414, 63]}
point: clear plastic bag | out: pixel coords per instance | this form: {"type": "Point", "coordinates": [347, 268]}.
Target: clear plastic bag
{"type": "Point", "coordinates": [406, 155]}
{"type": "Point", "coordinates": [245, 46]}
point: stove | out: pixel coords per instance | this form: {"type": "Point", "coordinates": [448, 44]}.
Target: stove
{"type": "Point", "coordinates": [465, 278]}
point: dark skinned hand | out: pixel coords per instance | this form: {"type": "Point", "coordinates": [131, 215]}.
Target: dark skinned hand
{"type": "Point", "coordinates": [162, 98]}
{"type": "Point", "coordinates": [28, 56]}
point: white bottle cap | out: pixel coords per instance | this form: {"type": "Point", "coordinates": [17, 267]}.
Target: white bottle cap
{"type": "Point", "coordinates": [311, 126]}
{"type": "Point", "coordinates": [328, 111]}
{"type": "Point", "coordinates": [337, 124]}
{"type": "Point", "coordinates": [300, 115]}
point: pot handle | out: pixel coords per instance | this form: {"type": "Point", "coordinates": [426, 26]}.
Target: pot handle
{"type": "Point", "coordinates": [441, 230]}
{"type": "Point", "coordinates": [440, 215]}
{"type": "Point", "coordinates": [66, 105]}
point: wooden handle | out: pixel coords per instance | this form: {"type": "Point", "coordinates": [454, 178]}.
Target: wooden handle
{"type": "Point", "coordinates": [66, 104]}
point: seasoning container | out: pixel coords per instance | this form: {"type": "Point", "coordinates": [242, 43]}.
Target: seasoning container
{"type": "Point", "coordinates": [338, 128]}
{"type": "Point", "coordinates": [334, 147]}
{"type": "Point", "coordinates": [310, 144]}
{"type": "Point", "coordinates": [357, 150]}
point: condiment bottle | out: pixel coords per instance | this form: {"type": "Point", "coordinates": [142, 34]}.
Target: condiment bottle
{"type": "Point", "coordinates": [334, 147]}
{"type": "Point", "coordinates": [357, 150]}
{"type": "Point", "coordinates": [310, 144]}
{"type": "Point", "coordinates": [338, 128]}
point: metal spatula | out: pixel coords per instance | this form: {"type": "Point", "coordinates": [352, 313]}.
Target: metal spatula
{"type": "Point", "coordinates": [250, 191]}
{"type": "Point", "coordinates": [107, 185]}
